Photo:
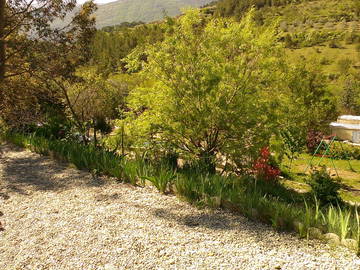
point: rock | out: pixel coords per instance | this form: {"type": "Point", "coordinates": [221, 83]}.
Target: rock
{"type": "Point", "coordinates": [332, 238]}
{"type": "Point", "coordinates": [350, 243]}
{"type": "Point", "coordinates": [298, 226]}
{"type": "Point", "coordinates": [315, 233]}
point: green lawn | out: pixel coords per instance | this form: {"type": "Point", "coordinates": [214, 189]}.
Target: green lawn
{"type": "Point", "coordinates": [350, 176]}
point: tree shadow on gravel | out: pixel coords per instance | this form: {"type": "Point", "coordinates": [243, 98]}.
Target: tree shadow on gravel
{"type": "Point", "coordinates": [23, 173]}
{"type": "Point", "coordinates": [213, 221]}
{"type": "Point", "coordinates": [222, 220]}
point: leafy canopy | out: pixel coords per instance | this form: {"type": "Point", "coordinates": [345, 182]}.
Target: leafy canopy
{"type": "Point", "coordinates": [207, 89]}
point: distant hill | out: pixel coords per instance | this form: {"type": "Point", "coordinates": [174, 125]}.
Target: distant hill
{"type": "Point", "coordinates": [324, 30]}
{"type": "Point", "coordinates": [139, 10]}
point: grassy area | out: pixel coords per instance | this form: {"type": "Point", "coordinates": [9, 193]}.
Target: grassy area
{"type": "Point", "coordinates": [348, 171]}
{"type": "Point", "coordinates": [330, 56]}
{"type": "Point", "coordinates": [327, 30]}
{"type": "Point", "coordinates": [313, 14]}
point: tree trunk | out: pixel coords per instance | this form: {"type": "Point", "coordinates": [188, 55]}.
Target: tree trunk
{"type": "Point", "coordinates": [2, 40]}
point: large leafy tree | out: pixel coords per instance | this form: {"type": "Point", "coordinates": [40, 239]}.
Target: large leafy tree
{"type": "Point", "coordinates": [20, 19]}
{"type": "Point", "coordinates": [96, 99]}
{"type": "Point", "coordinates": [39, 60]}
{"type": "Point", "coordinates": [207, 90]}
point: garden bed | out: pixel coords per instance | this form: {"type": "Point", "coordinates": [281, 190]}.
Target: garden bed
{"type": "Point", "coordinates": [59, 217]}
{"type": "Point", "coordinates": [269, 202]}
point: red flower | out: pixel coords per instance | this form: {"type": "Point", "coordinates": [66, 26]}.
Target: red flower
{"type": "Point", "coordinates": [262, 167]}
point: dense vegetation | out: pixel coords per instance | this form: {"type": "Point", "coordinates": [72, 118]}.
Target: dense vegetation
{"type": "Point", "coordinates": [215, 105]}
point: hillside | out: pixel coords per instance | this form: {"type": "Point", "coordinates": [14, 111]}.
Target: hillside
{"type": "Point", "coordinates": [141, 10]}
{"type": "Point", "coordinates": [324, 31]}
{"type": "Point", "coordinates": [138, 10]}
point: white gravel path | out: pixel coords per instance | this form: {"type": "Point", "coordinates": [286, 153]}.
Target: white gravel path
{"type": "Point", "coordinates": [57, 217]}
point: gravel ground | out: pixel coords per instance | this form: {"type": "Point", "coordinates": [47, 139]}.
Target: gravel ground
{"type": "Point", "coordinates": [57, 217]}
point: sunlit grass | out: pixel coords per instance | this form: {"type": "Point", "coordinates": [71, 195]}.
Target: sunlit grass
{"type": "Point", "coordinates": [350, 174]}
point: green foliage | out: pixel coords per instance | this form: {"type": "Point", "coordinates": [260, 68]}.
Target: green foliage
{"type": "Point", "coordinates": [273, 189]}
{"type": "Point", "coordinates": [95, 100]}
{"type": "Point", "coordinates": [239, 8]}
{"type": "Point", "coordinates": [309, 105]}
{"type": "Point", "coordinates": [130, 171]}
{"type": "Point", "coordinates": [344, 65]}
{"type": "Point", "coordinates": [110, 48]}
{"type": "Point", "coordinates": [41, 62]}
{"type": "Point", "coordinates": [350, 98]}
{"type": "Point", "coordinates": [205, 94]}
{"type": "Point", "coordinates": [324, 187]}
{"type": "Point", "coordinates": [312, 38]}
{"type": "Point", "coordinates": [204, 189]}
{"type": "Point", "coordinates": [338, 221]}
{"type": "Point", "coordinates": [345, 151]}
{"type": "Point", "coordinates": [187, 187]}
{"type": "Point", "coordinates": [293, 142]}
{"type": "Point", "coordinates": [162, 179]}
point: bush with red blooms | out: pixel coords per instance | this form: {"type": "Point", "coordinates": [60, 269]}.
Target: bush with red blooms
{"type": "Point", "coordinates": [313, 140]}
{"type": "Point", "coordinates": [263, 168]}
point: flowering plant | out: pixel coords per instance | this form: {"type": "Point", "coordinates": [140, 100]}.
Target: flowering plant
{"type": "Point", "coordinates": [263, 168]}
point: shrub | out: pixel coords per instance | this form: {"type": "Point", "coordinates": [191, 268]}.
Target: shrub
{"type": "Point", "coordinates": [313, 140]}
{"type": "Point", "coordinates": [263, 167]}
{"type": "Point", "coordinates": [334, 44]}
{"type": "Point", "coordinates": [324, 187]}
{"type": "Point", "coordinates": [341, 150]}
{"type": "Point", "coordinates": [162, 179]}
{"type": "Point", "coordinates": [344, 65]}
{"type": "Point", "coordinates": [351, 38]}
{"type": "Point", "coordinates": [294, 142]}
{"type": "Point", "coordinates": [130, 171]}
{"type": "Point", "coordinates": [357, 48]}
{"type": "Point", "coordinates": [350, 98]}
{"type": "Point", "coordinates": [325, 61]}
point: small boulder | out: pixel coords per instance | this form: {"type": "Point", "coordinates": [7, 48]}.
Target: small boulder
{"type": "Point", "coordinates": [350, 243]}
{"type": "Point", "coordinates": [315, 233]}
{"type": "Point", "coordinates": [298, 226]}
{"type": "Point", "coordinates": [332, 238]}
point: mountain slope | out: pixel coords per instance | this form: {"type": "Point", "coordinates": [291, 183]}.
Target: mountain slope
{"type": "Point", "coordinates": [141, 10]}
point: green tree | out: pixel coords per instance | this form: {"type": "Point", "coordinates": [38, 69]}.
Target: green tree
{"type": "Point", "coordinates": [96, 100]}
{"type": "Point", "coordinates": [207, 90]}
{"type": "Point", "coordinates": [18, 17]}
{"type": "Point", "coordinates": [39, 67]}
{"type": "Point", "coordinates": [307, 104]}
{"type": "Point", "coordinates": [350, 98]}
